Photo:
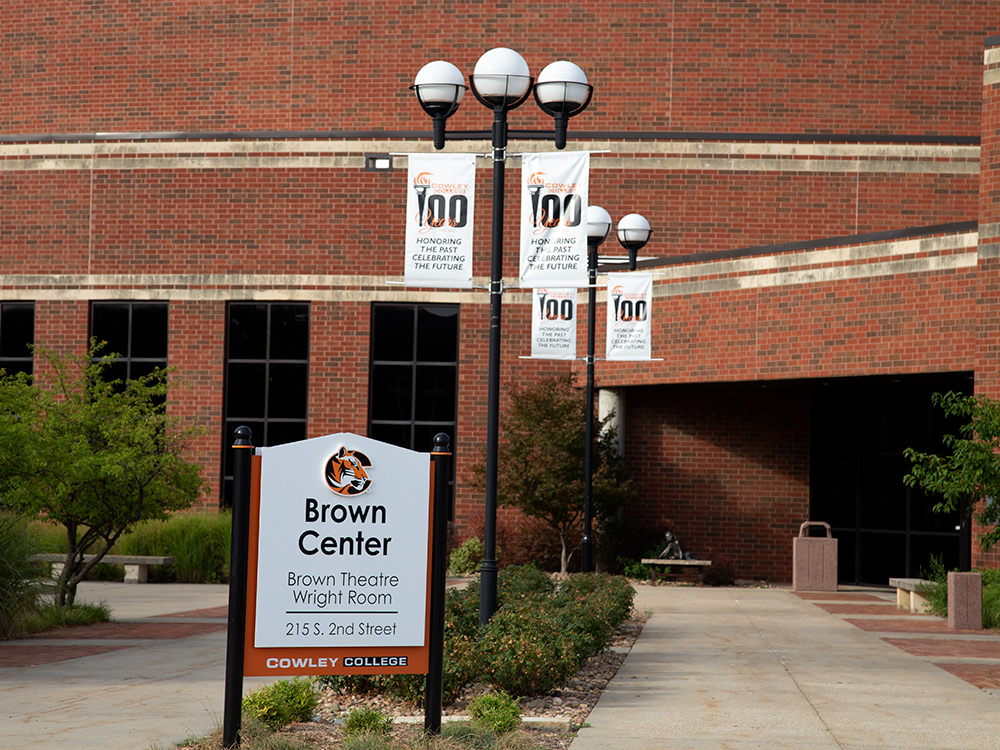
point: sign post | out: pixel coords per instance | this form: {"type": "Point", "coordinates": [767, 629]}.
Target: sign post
{"type": "Point", "coordinates": [440, 466]}
{"type": "Point", "coordinates": [332, 563]}
{"type": "Point", "coordinates": [232, 703]}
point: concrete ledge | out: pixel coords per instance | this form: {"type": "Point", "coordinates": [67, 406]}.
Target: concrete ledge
{"type": "Point", "coordinates": [559, 723]}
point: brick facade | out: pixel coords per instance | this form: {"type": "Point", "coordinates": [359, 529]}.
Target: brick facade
{"type": "Point", "coordinates": [823, 184]}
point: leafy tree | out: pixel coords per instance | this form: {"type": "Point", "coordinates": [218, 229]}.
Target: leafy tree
{"type": "Point", "coordinates": [93, 455]}
{"type": "Point", "coordinates": [970, 469]}
{"type": "Point", "coordinates": [541, 460]}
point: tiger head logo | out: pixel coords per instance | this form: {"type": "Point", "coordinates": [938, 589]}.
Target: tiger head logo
{"type": "Point", "coordinates": [345, 472]}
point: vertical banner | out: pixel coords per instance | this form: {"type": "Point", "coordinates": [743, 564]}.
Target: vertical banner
{"type": "Point", "coordinates": [554, 219]}
{"type": "Point", "coordinates": [630, 297]}
{"type": "Point", "coordinates": [441, 191]}
{"type": "Point", "coordinates": [553, 324]}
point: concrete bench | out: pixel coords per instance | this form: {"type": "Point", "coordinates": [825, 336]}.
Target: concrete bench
{"type": "Point", "coordinates": [136, 566]}
{"type": "Point", "coordinates": [685, 566]}
{"type": "Point", "coordinates": [909, 594]}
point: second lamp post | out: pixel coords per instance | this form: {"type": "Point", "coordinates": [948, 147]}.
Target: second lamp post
{"type": "Point", "coordinates": [500, 81]}
{"type": "Point", "coordinates": [633, 234]}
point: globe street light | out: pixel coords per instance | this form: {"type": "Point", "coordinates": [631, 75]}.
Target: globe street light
{"type": "Point", "coordinates": [500, 81]}
{"type": "Point", "coordinates": [633, 234]}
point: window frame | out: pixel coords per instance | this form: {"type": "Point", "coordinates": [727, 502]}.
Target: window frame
{"type": "Point", "coordinates": [260, 438]}
{"type": "Point", "coordinates": [26, 362]}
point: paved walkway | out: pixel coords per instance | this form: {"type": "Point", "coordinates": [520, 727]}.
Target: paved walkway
{"type": "Point", "coordinates": [153, 677]}
{"type": "Point", "coordinates": [766, 668]}
{"type": "Point", "coordinates": [713, 669]}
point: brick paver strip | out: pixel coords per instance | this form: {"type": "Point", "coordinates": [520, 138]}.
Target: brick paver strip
{"type": "Point", "coordinates": [222, 611]}
{"type": "Point", "coordinates": [905, 625]}
{"type": "Point", "coordinates": [934, 647]}
{"type": "Point", "coordinates": [135, 630]}
{"type": "Point", "coordinates": [882, 608]}
{"type": "Point", "coordinates": [17, 657]}
{"type": "Point", "coordinates": [983, 676]}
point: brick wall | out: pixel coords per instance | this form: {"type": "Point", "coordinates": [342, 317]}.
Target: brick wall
{"type": "Point", "coordinates": [203, 221]}
{"type": "Point", "coordinates": [905, 306]}
{"type": "Point", "coordinates": [196, 349]}
{"type": "Point", "coordinates": [805, 65]}
{"type": "Point", "coordinates": [725, 466]}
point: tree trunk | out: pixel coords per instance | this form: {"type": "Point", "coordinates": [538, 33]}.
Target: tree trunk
{"type": "Point", "coordinates": [565, 553]}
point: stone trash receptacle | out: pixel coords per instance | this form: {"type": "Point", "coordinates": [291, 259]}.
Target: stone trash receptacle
{"type": "Point", "coordinates": [814, 560]}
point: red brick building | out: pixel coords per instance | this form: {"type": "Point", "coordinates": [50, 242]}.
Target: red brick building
{"type": "Point", "coordinates": [193, 182]}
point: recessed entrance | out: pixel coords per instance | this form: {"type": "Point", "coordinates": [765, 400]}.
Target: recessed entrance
{"type": "Point", "coordinates": [860, 427]}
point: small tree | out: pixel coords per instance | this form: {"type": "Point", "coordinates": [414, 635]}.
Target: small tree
{"type": "Point", "coordinates": [541, 460]}
{"type": "Point", "coordinates": [970, 470]}
{"type": "Point", "coordinates": [93, 455]}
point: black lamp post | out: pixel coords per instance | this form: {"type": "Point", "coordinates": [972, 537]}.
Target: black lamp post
{"type": "Point", "coordinates": [501, 82]}
{"type": "Point", "coordinates": [598, 226]}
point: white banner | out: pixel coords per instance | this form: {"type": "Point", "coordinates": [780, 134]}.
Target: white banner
{"type": "Point", "coordinates": [553, 324]}
{"type": "Point", "coordinates": [630, 297]}
{"type": "Point", "coordinates": [554, 219]}
{"type": "Point", "coordinates": [441, 190]}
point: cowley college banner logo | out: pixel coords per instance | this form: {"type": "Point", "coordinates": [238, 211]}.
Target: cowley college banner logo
{"type": "Point", "coordinates": [553, 324]}
{"type": "Point", "coordinates": [630, 297]}
{"type": "Point", "coordinates": [441, 191]}
{"type": "Point", "coordinates": [554, 219]}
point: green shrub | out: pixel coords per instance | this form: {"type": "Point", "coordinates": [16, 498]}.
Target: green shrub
{"type": "Point", "coordinates": [538, 637]}
{"type": "Point", "coordinates": [282, 702]}
{"type": "Point", "coordinates": [937, 592]}
{"type": "Point", "coordinates": [461, 611]}
{"type": "Point", "coordinates": [461, 667]}
{"type": "Point", "coordinates": [633, 569]}
{"type": "Point", "coordinates": [991, 605]}
{"type": "Point", "coordinates": [198, 542]}
{"type": "Point", "coordinates": [369, 721]}
{"type": "Point", "coordinates": [518, 583]}
{"type": "Point", "coordinates": [18, 594]}
{"type": "Point", "coordinates": [523, 652]}
{"type": "Point", "coordinates": [589, 607]}
{"type": "Point", "coordinates": [50, 617]}
{"type": "Point", "coordinates": [496, 711]}
{"type": "Point", "coordinates": [465, 559]}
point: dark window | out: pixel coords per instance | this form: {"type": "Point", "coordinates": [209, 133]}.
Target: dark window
{"type": "Point", "coordinates": [17, 334]}
{"type": "Point", "coordinates": [267, 376]}
{"type": "Point", "coordinates": [134, 331]}
{"type": "Point", "coordinates": [413, 384]}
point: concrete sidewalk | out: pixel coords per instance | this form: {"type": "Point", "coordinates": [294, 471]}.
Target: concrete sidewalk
{"type": "Point", "coordinates": [713, 669]}
{"type": "Point", "coordinates": [765, 668]}
{"type": "Point", "coordinates": [147, 680]}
